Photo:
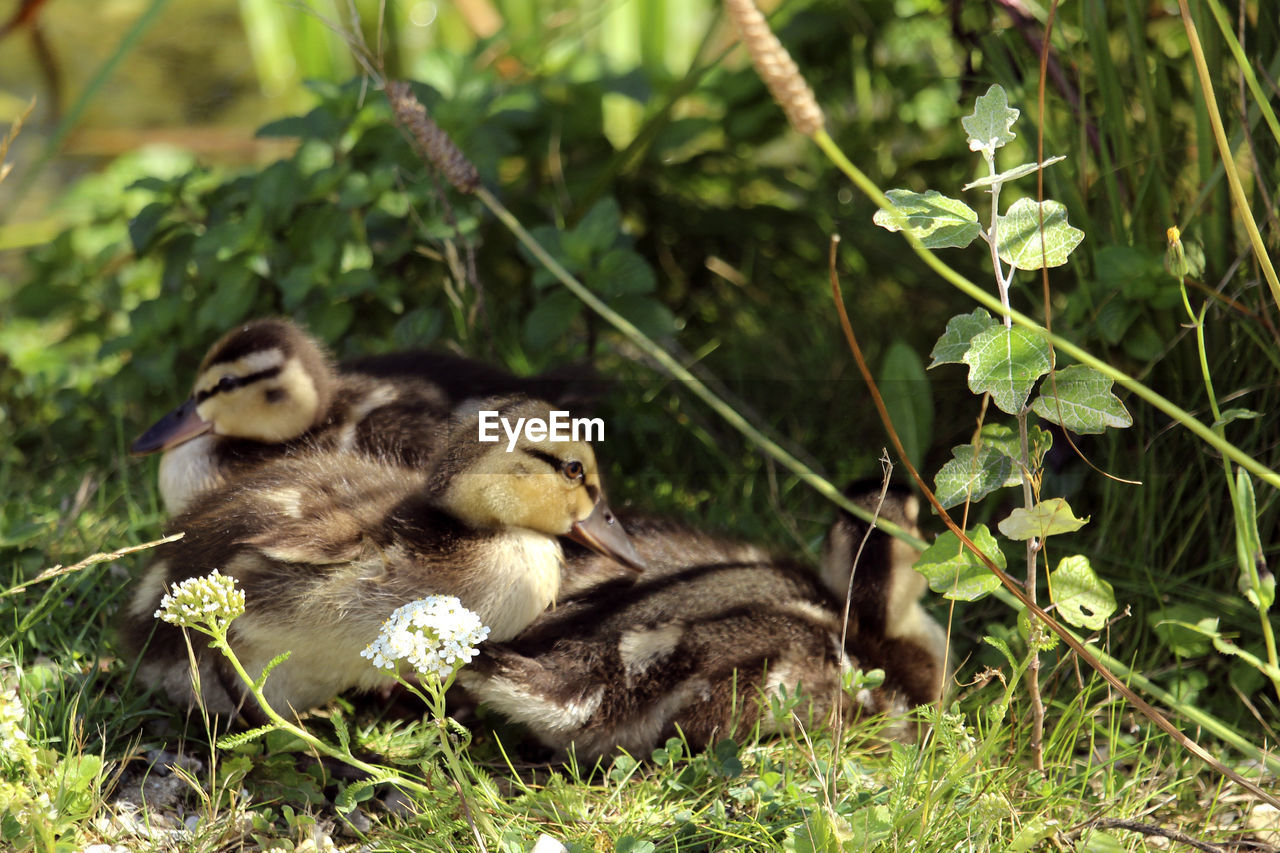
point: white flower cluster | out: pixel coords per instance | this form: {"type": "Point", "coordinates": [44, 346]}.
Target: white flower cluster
{"type": "Point", "coordinates": [210, 600]}
{"type": "Point", "coordinates": [12, 736]}
{"type": "Point", "coordinates": [436, 635]}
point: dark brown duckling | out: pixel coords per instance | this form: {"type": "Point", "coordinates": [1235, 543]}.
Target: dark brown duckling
{"type": "Point", "coordinates": [709, 630]}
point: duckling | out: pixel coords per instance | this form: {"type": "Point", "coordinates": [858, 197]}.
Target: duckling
{"type": "Point", "coordinates": [267, 389]}
{"type": "Point", "coordinates": [712, 629]}
{"type": "Point", "coordinates": [327, 545]}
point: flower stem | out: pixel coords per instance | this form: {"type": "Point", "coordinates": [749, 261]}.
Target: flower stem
{"type": "Point", "coordinates": [220, 643]}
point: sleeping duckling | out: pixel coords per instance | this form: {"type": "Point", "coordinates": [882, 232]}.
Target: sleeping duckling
{"type": "Point", "coordinates": [708, 632]}
{"type": "Point", "coordinates": [327, 545]}
{"type": "Point", "coordinates": [268, 389]}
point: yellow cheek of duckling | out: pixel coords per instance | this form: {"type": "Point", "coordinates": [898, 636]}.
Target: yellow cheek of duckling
{"type": "Point", "coordinates": [271, 410]}
{"type": "Point", "coordinates": [549, 503]}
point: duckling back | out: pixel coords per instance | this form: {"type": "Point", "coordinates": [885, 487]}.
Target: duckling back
{"type": "Point", "coordinates": [695, 644]}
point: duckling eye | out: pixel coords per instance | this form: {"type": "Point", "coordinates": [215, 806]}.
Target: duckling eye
{"type": "Point", "coordinates": [226, 383]}
{"type": "Point", "coordinates": [573, 470]}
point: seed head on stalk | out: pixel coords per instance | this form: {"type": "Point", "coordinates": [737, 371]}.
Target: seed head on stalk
{"type": "Point", "coordinates": [776, 67]}
{"type": "Point", "coordinates": [435, 143]}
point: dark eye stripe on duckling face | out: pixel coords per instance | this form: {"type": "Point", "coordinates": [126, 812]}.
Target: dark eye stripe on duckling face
{"type": "Point", "coordinates": [230, 383]}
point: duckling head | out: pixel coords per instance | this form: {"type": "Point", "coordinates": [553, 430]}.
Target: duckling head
{"type": "Point", "coordinates": [267, 381]}
{"type": "Point", "coordinates": [527, 478]}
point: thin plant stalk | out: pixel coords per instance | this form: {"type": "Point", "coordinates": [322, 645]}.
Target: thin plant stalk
{"type": "Point", "coordinates": [1238, 199]}
{"type": "Point", "coordinates": [434, 698]}
{"type": "Point", "coordinates": [1197, 320]}
{"type": "Point", "coordinates": [219, 642]}
{"type": "Point", "coordinates": [1003, 281]}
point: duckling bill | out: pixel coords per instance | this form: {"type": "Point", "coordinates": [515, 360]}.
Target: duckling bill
{"type": "Point", "coordinates": [327, 545]}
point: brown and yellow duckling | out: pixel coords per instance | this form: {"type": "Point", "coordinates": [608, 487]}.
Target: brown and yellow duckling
{"type": "Point", "coordinates": [327, 545]}
{"type": "Point", "coordinates": [268, 389]}
{"type": "Point", "coordinates": [712, 629]}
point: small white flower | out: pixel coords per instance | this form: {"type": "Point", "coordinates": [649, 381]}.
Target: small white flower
{"type": "Point", "coordinates": [211, 600]}
{"type": "Point", "coordinates": [12, 735]}
{"type": "Point", "coordinates": [435, 635]}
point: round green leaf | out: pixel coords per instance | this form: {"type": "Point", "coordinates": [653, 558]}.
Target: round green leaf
{"type": "Point", "coordinates": [1019, 235]}
{"type": "Point", "coordinates": [936, 220]}
{"type": "Point", "coordinates": [1006, 363]}
{"type": "Point", "coordinates": [960, 331]}
{"type": "Point", "coordinates": [1083, 402]}
{"type": "Point", "coordinates": [1083, 599]}
{"type": "Point", "coordinates": [550, 319]}
{"type": "Point", "coordinates": [955, 572]}
{"type": "Point", "coordinates": [989, 124]}
{"type": "Point", "coordinates": [1047, 518]}
{"type": "Point", "coordinates": [977, 470]}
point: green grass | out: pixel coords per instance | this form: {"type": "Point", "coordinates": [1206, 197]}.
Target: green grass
{"type": "Point", "coordinates": [742, 190]}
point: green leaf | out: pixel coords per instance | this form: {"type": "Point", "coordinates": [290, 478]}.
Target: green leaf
{"type": "Point", "coordinates": [1012, 174]}
{"type": "Point", "coordinates": [960, 331]}
{"type": "Point", "coordinates": [595, 233]}
{"type": "Point", "coordinates": [1229, 415]}
{"type": "Point", "coordinates": [266, 670]}
{"type": "Point", "coordinates": [230, 301]}
{"type": "Point", "coordinates": [1047, 518]}
{"type": "Point", "coordinates": [632, 844]}
{"type": "Point", "coordinates": [550, 319]}
{"type": "Point", "coordinates": [622, 272]}
{"type": "Point", "coordinates": [1043, 640]}
{"type": "Point", "coordinates": [241, 738]}
{"type": "Point", "coordinates": [355, 793]}
{"type": "Point", "coordinates": [81, 771]}
{"type": "Point", "coordinates": [1084, 599]}
{"type": "Point", "coordinates": [1002, 439]}
{"type": "Point", "coordinates": [417, 328]}
{"type": "Point", "coordinates": [936, 220]}
{"type": "Point", "coordinates": [320, 123]}
{"type": "Point", "coordinates": [988, 125]}
{"type": "Point", "coordinates": [295, 285]}
{"type": "Point", "coordinates": [1019, 238]}
{"type": "Point", "coordinates": [328, 321]}
{"type": "Point", "coordinates": [144, 227]}
{"type": "Point", "coordinates": [1006, 363]}
{"type": "Point", "coordinates": [648, 314]}
{"type": "Point", "coordinates": [955, 572]}
{"type": "Point", "coordinates": [1170, 624]}
{"type": "Point", "coordinates": [724, 759]}
{"type": "Point", "coordinates": [908, 399]}
{"type": "Point", "coordinates": [1084, 403]}
{"type": "Point", "coordinates": [550, 239]}
{"type": "Point", "coordinates": [978, 469]}
{"type": "Point", "coordinates": [1031, 833]}
{"type": "Point", "coordinates": [1226, 647]}
{"type": "Point", "coordinates": [1256, 581]}
{"type": "Point", "coordinates": [340, 729]}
